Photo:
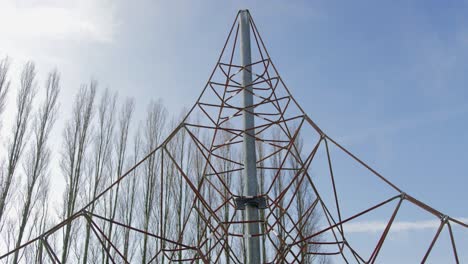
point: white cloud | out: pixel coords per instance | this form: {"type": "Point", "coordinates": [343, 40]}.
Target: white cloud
{"type": "Point", "coordinates": [398, 226]}
{"type": "Point", "coordinates": [89, 21]}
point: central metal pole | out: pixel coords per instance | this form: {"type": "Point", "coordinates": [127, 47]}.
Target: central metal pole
{"type": "Point", "coordinates": [250, 159]}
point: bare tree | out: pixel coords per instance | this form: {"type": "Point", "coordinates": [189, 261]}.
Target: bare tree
{"type": "Point", "coordinates": [18, 140]}
{"type": "Point", "coordinates": [155, 122]}
{"type": "Point", "coordinates": [277, 159]}
{"type": "Point", "coordinates": [4, 84]}
{"type": "Point", "coordinates": [175, 187]}
{"type": "Point", "coordinates": [305, 203]}
{"type": "Point", "coordinates": [42, 222]}
{"type": "Point", "coordinates": [121, 142]}
{"type": "Point", "coordinates": [76, 141]}
{"type": "Point", "coordinates": [102, 150]}
{"type": "Point", "coordinates": [225, 171]}
{"type": "Point", "coordinates": [4, 87]}
{"type": "Point", "coordinates": [129, 197]}
{"type": "Point", "coordinates": [198, 163]}
{"type": "Point", "coordinates": [170, 221]}
{"type": "Point", "coordinates": [38, 157]}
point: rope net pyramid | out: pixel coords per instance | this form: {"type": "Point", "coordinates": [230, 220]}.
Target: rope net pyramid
{"type": "Point", "coordinates": [314, 194]}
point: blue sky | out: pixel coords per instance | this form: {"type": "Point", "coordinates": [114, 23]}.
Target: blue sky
{"type": "Point", "coordinates": [388, 80]}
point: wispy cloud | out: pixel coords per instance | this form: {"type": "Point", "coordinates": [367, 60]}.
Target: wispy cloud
{"type": "Point", "coordinates": [85, 21]}
{"type": "Point", "coordinates": [399, 226]}
{"type": "Point", "coordinates": [408, 123]}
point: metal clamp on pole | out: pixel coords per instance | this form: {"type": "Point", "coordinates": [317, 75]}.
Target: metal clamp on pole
{"type": "Point", "coordinates": [259, 202]}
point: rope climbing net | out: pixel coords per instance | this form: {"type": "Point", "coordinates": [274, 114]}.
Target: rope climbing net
{"type": "Point", "coordinates": [312, 190]}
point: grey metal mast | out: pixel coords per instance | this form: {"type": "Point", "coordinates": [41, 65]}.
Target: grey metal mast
{"type": "Point", "coordinates": [250, 159]}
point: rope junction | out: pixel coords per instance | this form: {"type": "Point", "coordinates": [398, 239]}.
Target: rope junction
{"type": "Point", "coordinates": [299, 218]}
